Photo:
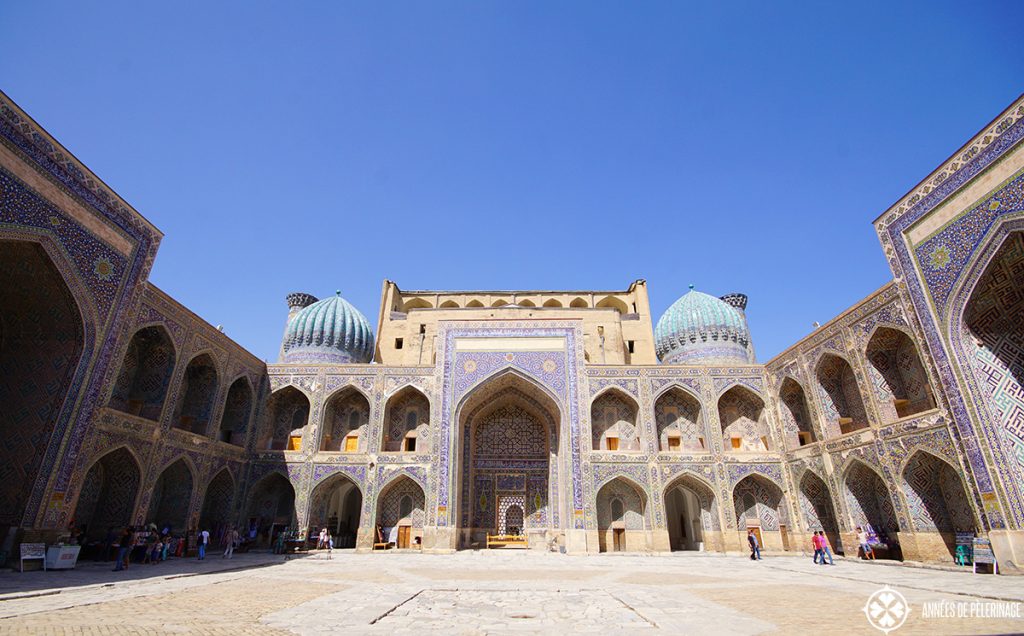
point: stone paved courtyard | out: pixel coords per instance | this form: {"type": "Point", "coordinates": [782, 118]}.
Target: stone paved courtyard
{"type": "Point", "coordinates": [490, 593]}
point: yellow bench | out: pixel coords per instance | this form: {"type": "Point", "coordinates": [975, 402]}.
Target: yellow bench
{"type": "Point", "coordinates": [506, 540]}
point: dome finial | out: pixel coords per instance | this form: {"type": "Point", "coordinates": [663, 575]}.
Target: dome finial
{"type": "Point", "coordinates": [691, 285]}
{"type": "Point", "coordinates": [337, 292]}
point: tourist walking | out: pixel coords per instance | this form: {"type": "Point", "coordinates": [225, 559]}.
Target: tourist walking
{"type": "Point", "coordinates": [862, 539]}
{"type": "Point", "coordinates": [231, 537]}
{"type": "Point", "coordinates": [322, 543]}
{"type": "Point", "coordinates": [818, 551]}
{"type": "Point", "coordinates": [755, 546]}
{"type": "Point", "coordinates": [204, 539]}
{"type": "Point", "coordinates": [826, 551]}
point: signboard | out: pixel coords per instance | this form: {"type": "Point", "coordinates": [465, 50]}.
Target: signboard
{"type": "Point", "coordinates": [33, 550]}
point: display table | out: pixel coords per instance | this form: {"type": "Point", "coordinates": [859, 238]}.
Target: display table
{"type": "Point", "coordinates": [62, 557]}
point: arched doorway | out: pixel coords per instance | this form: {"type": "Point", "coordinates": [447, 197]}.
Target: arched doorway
{"type": "Point", "coordinates": [108, 494]}
{"type": "Point", "coordinates": [145, 374]}
{"type": "Point", "coordinates": [400, 513]}
{"type": "Point", "coordinates": [991, 333]}
{"type": "Point", "coordinates": [285, 421]}
{"type": "Point", "coordinates": [509, 441]}
{"type": "Point", "coordinates": [336, 504]}
{"type": "Point", "coordinates": [621, 517]}
{"type": "Point", "coordinates": [172, 495]}
{"type": "Point", "coordinates": [744, 422]}
{"type": "Point", "coordinates": [346, 417]}
{"type": "Point", "coordinates": [937, 502]}
{"type": "Point", "coordinates": [818, 510]}
{"type": "Point", "coordinates": [271, 508]}
{"type": "Point", "coordinates": [613, 422]}
{"type": "Point", "coordinates": [840, 396]}
{"type": "Point", "coordinates": [41, 342]}
{"type": "Point", "coordinates": [900, 380]}
{"type": "Point", "coordinates": [217, 504]}
{"type": "Point", "coordinates": [796, 418]}
{"type": "Point", "coordinates": [870, 504]}
{"type": "Point", "coordinates": [691, 515]}
{"type": "Point", "coordinates": [758, 505]}
{"type": "Point", "coordinates": [677, 415]}
{"type": "Point", "coordinates": [237, 410]}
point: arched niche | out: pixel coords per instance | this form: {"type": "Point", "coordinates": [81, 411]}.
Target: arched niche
{"type": "Point", "coordinates": [407, 422]}
{"type": "Point", "coordinates": [336, 504]}
{"type": "Point", "coordinates": [691, 514]}
{"type": "Point", "coordinates": [42, 340]}
{"type": "Point", "coordinates": [796, 416]}
{"type": "Point", "coordinates": [611, 302]}
{"type": "Point", "coordinates": [936, 499]}
{"type": "Point", "coordinates": [199, 388]}
{"type": "Point", "coordinates": [552, 302]}
{"type": "Point", "coordinates": [145, 373]}
{"type": "Point", "coordinates": [818, 509]}
{"type": "Point", "coordinates": [870, 504]}
{"type": "Point", "coordinates": [215, 515]}
{"type": "Point", "coordinates": [401, 513]}
{"type": "Point", "coordinates": [758, 504]}
{"type": "Point", "coordinates": [285, 418]}
{"type": "Point", "coordinates": [346, 421]}
{"type": "Point", "coordinates": [474, 303]}
{"type": "Point", "coordinates": [622, 517]}
{"type": "Point", "coordinates": [172, 494]}
{"type": "Point", "coordinates": [271, 508]}
{"type": "Point", "coordinates": [108, 494]}
{"type": "Point", "coordinates": [234, 422]}
{"type": "Point", "coordinates": [900, 381]}
{"type": "Point", "coordinates": [579, 303]}
{"type": "Point", "coordinates": [841, 399]}
{"type": "Point", "coordinates": [744, 421]}
{"type": "Point", "coordinates": [679, 421]}
{"type": "Point", "coordinates": [613, 422]}
{"type": "Point", "coordinates": [449, 304]}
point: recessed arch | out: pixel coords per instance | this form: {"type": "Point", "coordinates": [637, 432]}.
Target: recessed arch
{"type": "Point", "coordinates": [198, 390]}
{"type": "Point", "coordinates": [401, 512]}
{"type": "Point", "coordinates": [271, 507]}
{"type": "Point", "coordinates": [840, 394]}
{"type": "Point", "coordinates": [552, 302]}
{"type": "Point", "coordinates": [108, 494]}
{"type": "Point", "coordinates": [936, 498]}
{"type": "Point", "coordinates": [474, 303]}
{"type": "Point", "coordinates": [796, 416]}
{"type": "Point", "coordinates": [449, 304]}
{"type": "Point", "coordinates": [172, 496]}
{"type": "Point", "coordinates": [509, 443]}
{"type": "Point", "coordinates": [899, 379]}
{"type": "Point", "coordinates": [579, 303]}
{"type": "Point", "coordinates": [758, 504]}
{"type": "Point", "coordinates": [501, 302]}
{"type": "Point", "coordinates": [346, 422]}
{"type": "Point", "coordinates": [526, 303]}
{"type": "Point", "coordinates": [238, 408]}
{"type": "Point", "coordinates": [613, 421]}
{"type": "Point", "coordinates": [406, 422]}
{"type": "Point", "coordinates": [611, 302]}
{"type": "Point", "coordinates": [416, 303]}
{"type": "Point", "coordinates": [744, 420]}
{"type": "Point", "coordinates": [145, 373]}
{"type": "Point", "coordinates": [818, 509]}
{"type": "Point", "coordinates": [870, 502]}
{"type": "Point", "coordinates": [691, 513]}
{"type": "Point", "coordinates": [622, 522]}
{"type": "Point", "coordinates": [336, 503]}
{"type": "Point", "coordinates": [286, 416]}
{"type": "Point", "coordinates": [44, 341]}
{"type": "Point", "coordinates": [218, 500]}
{"type": "Point", "coordinates": [679, 421]}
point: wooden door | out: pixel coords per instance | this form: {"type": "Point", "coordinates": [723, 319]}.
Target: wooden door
{"type": "Point", "coordinates": [785, 536]}
{"type": "Point", "coordinates": [403, 536]}
{"type": "Point", "coordinates": [757, 533]}
{"type": "Point", "coordinates": [619, 540]}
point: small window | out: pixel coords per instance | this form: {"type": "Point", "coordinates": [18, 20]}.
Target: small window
{"type": "Point", "coordinates": [674, 443]}
{"type": "Point", "coordinates": [613, 443]}
{"type": "Point", "coordinates": [295, 443]}
{"type": "Point", "coordinates": [805, 438]}
{"type": "Point", "coordinates": [423, 329]}
{"type": "Point", "coordinates": [736, 443]}
{"type": "Point", "coordinates": [629, 343]}
{"type": "Point", "coordinates": [410, 444]}
{"type": "Point", "coordinates": [351, 443]}
{"type": "Point", "coordinates": [398, 343]}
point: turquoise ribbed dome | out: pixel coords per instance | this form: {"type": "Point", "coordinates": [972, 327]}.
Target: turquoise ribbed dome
{"type": "Point", "coordinates": [329, 330]}
{"type": "Point", "coordinates": [699, 328]}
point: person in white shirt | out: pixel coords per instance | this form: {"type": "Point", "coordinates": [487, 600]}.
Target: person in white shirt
{"type": "Point", "coordinates": [204, 540]}
{"type": "Point", "coordinates": [230, 537]}
{"type": "Point", "coordinates": [862, 539]}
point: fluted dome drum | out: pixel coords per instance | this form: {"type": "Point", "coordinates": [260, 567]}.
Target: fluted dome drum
{"type": "Point", "coordinates": [699, 328]}
{"type": "Point", "coordinates": [330, 330]}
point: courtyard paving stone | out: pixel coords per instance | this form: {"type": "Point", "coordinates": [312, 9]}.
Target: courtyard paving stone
{"type": "Point", "coordinates": [511, 592]}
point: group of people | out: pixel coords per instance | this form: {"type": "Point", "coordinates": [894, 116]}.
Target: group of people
{"type": "Point", "coordinates": [145, 544]}
{"type": "Point", "coordinates": [821, 547]}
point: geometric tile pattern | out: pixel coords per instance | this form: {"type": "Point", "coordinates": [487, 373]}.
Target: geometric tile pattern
{"type": "Point", "coordinates": [347, 412]}
{"type": "Point", "coordinates": [869, 501]}
{"type": "Point", "coordinates": [757, 501]}
{"type": "Point", "coordinates": [935, 495]}
{"type": "Point", "coordinates": [795, 417]}
{"type": "Point", "coordinates": [145, 374]}
{"type": "Point", "coordinates": [619, 505]}
{"type": "Point", "coordinates": [237, 410]}
{"type": "Point", "coordinates": [840, 395]}
{"type": "Point", "coordinates": [108, 494]}
{"type": "Point", "coordinates": [742, 416]}
{"type": "Point", "coordinates": [402, 503]}
{"type": "Point", "coordinates": [217, 509]}
{"type": "Point", "coordinates": [287, 414]}
{"type": "Point", "coordinates": [896, 373]}
{"type": "Point", "coordinates": [192, 412]}
{"type": "Point", "coordinates": [171, 494]}
{"type": "Point", "coordinates": [407, 411]}
{"type": "Point", "coordinates": [40, 345]}
{"type": "Point", "coordinates": [816, 506]}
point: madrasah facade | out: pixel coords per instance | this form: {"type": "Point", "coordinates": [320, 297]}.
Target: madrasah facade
{"type": "Point", "coordinates": [572, 420]}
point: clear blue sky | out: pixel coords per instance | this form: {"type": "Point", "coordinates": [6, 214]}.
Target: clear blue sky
{"type": "Point", "coordinates": [312, 147]}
